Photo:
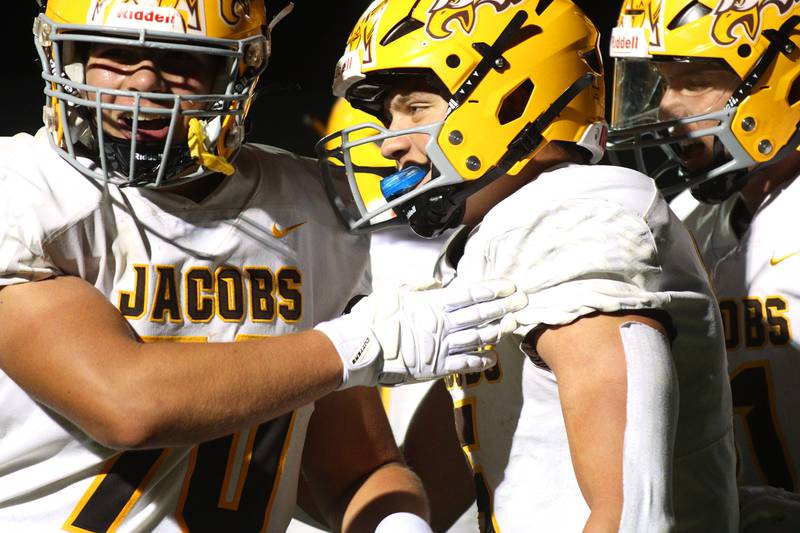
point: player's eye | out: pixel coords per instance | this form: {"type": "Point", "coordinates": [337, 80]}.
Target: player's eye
{"type": "Point", "coordinates": [125, 55]}
{"type": "Point", "coordinates": [182, 63]}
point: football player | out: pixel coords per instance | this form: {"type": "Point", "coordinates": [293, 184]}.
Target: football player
{"type": "Point", "coordinates": [156, 278]}
{"type": "Point", "coordinates": [609, 408]}
{"type": "Point", "coordinates": [714, 87]}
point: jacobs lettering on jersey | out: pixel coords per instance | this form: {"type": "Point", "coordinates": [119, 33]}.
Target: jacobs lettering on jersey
{"type": "Point", "coordinates": [200, 294]}
{"type": "Point", "coordinates": [755, 323]}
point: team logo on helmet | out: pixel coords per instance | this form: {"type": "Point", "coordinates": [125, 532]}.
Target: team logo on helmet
{"type": "Point", "coordinates": [446, 16]}
{"type": "Point", "coordinates": [655, 19]}
{"type": "Point", "coordinates": [232, 11]}
{"type": "Point", "coordinates": [363, 35]}
{"type": "Point", "coordinates": [735, 20]}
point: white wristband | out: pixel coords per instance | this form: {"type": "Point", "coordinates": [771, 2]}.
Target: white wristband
{"type": "Point", "coordinates": [403, 523]}
{"type": "Point", "coordinates": [358, 348]}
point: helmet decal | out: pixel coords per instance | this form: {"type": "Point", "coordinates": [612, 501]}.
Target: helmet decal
{"type": "Point", "coordinates": [649, 16]}
{"type": "Point", "coordinates": [232, 11]}
{"type": "Point", "coordinates": [730, 15]}
{"type": "Point", "coordinates": [463, 13]}
{"type": "Point", "coordinates": [363, 35]}
{"type": "Point", "coordinates": [655, 16]}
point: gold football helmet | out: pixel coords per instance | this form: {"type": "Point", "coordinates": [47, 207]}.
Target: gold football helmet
{"type": "Point", "coordinates": [753, 40]}
{"type": "Point", "coordinates": [233, 33]}
{"type": "Point", "coordinates": [518, 74]}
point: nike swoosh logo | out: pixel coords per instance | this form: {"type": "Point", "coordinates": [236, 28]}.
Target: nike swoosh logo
{"type": "Point", "coordinates": [775, 260]}
{"type": "Point", "coordinates": [281, 233]}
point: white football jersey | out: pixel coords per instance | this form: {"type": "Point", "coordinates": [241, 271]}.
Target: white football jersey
{"type": "Point", "coordinates": [757, 280]}
{"type": "Point", "coordinates": [398, 257]}
{"type": "Point", "coordinates": [580, 240]}
{"type": "Point", "coordinates": [263, 255]}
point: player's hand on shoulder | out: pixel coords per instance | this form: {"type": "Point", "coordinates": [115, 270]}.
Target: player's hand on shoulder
{"type": "Point", "coordinates": [765, 509]}
{"type": "Point", "coordinates": [415, 334]}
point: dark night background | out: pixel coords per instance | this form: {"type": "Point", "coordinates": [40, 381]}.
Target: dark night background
{"type": "Point", "coordinates": [294, 90]}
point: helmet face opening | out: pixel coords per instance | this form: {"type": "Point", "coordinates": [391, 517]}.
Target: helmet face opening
{"type": "Point", "coordinates": [673, 118]}
{"type": "Point", "coordinates": [171, 132]}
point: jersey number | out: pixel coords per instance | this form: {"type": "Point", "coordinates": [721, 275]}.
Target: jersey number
{"type": "Point", "coordinates": [219, 493]}
{"type": "Point", "coordinates": [751, 386]}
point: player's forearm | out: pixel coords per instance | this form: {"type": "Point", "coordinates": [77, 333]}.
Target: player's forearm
{"type": "Point", "coordinates": [202, 391]}
{"type": "Point", "coordinates": [393, 488]}
{"type": "Point", "coordinates": [588, 361]}
{"type": "Point", "coordinates": [169, 394]}
{"type": "Point", "coordinates": [594, 413]}
{"type": "Point", "coordinates": [69, 348]}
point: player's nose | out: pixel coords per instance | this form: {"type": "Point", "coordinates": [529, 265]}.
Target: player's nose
{"type": "Point", "coordinates": [395, 148]}
{"type": "Point", "coordinates": [145, 77]}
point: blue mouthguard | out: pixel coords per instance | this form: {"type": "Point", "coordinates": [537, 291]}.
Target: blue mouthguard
{"type": "Point", "coordinates": [402, 181]}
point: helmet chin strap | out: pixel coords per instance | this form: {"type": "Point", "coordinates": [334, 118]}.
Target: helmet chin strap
{"type": "Point", "coordinates": [149, 158]}
{"type": "Point", "coordinates": [199, 152]}
{"type": "Point", "coordinates": [431, 214]}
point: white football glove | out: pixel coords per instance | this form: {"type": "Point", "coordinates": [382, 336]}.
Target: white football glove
{"type": "Point", "coordinates": [409, 335]}
{"type": "Point", "coordinates": [765, 509]}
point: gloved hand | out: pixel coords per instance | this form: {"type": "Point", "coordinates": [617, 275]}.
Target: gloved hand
{"type": "Point", "coordinates": [409, 335]}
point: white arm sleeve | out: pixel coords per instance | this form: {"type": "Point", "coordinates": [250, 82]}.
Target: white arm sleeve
{"type": "Point", "coordinates": [652, 414]}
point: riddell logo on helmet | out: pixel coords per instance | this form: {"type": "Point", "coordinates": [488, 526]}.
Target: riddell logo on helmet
{"type": "Point", "coordinates": [629, 42]}
{"type": "Point", "coordinates": [146, 15]}
{"type": "Point", "coordinates": [625, 43]}
{"type": "Point", "coordinates": [130, 15]}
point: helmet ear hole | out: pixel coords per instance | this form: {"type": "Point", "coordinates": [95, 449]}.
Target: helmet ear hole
{"type": "Point", "coordinates": [515, 103]}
